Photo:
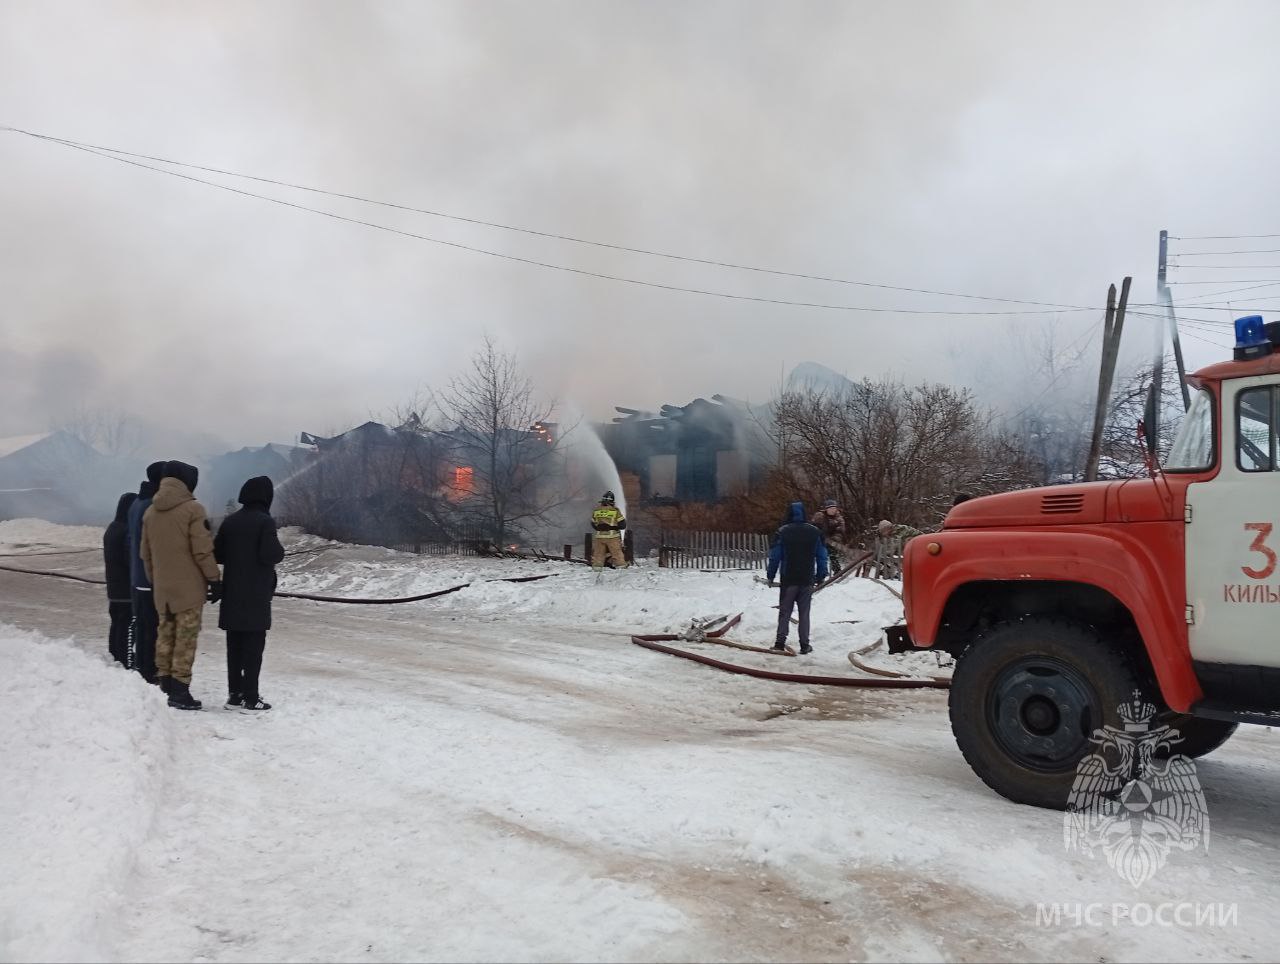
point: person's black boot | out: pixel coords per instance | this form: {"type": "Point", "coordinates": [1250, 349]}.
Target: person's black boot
{"type": "Point", "coordinates": [180, 697]}
{"type": "Point", "coordinates": [164, 682]}
{"type": "Point", "coordinates": [779, 648]}
{"type": "Point", "coordinates": [805, 649]}
{"type": "Point", "coordinates": [234, 701]}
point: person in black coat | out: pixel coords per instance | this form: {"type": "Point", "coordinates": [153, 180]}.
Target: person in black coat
{"type": "Point", "coordinates": [115, 557]}
{"type": "Point", "coordinates": [249, 550]}
{"type": "Point", "coordinates": [146, 622]}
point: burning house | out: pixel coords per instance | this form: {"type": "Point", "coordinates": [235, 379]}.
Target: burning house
{"type": "Point", "coordinates": [373, 484]}
{"type": "Point", "coordinates": [702, 452]}
{"type": "Point", "coordinates": [411, 485]}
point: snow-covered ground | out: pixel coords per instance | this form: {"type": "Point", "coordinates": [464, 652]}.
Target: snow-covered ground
{"type": "Point", "coordinates": [18, 536]}
{"type": "Point", "coordinates": [644, 599]}
{"type": "Point", "coordinates": [498, 774]}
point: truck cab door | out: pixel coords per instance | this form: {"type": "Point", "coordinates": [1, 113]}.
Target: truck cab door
{"type": "Point", "coordinates": [1232, 541]}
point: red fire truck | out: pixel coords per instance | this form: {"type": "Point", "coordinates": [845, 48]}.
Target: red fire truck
{"type": "Point", "coordinates": [1060, 602]}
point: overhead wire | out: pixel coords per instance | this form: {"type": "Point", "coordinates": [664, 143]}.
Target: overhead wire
{"type": "Point", "coordinates": [1221, 237]}
{"type": "Point", "coordinates": [127, 157]}
{"type": "Point", "coordinates": [567, 268]}
{"type": "Point", "coordinates": [1190, 324]}
{"type": "Point", "coordinates": [1205, 254]}
{"type": "Point", "coordinates": [1232, 291]}
{"type": "Point", "coordinates": [1228, 281]}
{"type": "Point", "coordinates": [111, 154]}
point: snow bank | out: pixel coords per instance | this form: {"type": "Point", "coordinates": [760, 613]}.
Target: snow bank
{"type": "Point", "coordinates": [38, 534]}
{"type": "Point", "coordinates": [82, 755]}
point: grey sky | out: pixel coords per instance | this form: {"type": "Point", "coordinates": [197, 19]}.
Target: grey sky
{"type": "Point", "coordinates": [1018, 149]}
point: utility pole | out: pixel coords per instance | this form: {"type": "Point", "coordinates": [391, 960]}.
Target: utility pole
{"type": "Point", "coordinates": [1112, 329]}
{"type": "Point", "coordinates": [1166, 299]}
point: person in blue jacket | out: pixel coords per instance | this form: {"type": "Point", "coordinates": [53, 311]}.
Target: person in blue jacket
{"type": "Point", "coordinates": [798, 560]}
{"type": "Point", "coordinates": [146, 623]}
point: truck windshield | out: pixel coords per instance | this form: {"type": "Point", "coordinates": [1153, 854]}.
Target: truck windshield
{"type": "Point", "coordinates": [1192, 449]}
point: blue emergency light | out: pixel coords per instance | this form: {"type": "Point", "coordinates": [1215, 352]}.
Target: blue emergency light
{"type": "Point", "coordinates": [1251, 338]}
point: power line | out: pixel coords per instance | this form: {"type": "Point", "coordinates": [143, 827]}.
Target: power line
{"type": "Point", "coordinates": [1228, 267]}
{"type": "Point", "coordinates": [1237, 306]}
{"type": "Point", "coordinates": [559, 267]}
{"type": "Point", "coordinates": [1231, 291]}
{"type": "Point", "coordinates": [1221, 237]}
{"type": "Point", "coordinates": [111, 152]}
{"type": "Point", "coordinates": [1229, 281]}
{"type": "Point", "coordinates": [1092, 333]}
{"type": "Point", "coordinates": [1205, 254]}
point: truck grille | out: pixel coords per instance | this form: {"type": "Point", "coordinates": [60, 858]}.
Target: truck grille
{"type": "Point", "coordinates": [1068, 503]}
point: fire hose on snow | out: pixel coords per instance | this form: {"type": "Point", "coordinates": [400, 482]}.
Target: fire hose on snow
{"type": "Point", "coordinates": [302, 595]}
{"type": "Point", "coordinates": [700, 632]}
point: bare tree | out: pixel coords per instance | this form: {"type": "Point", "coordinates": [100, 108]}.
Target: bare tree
{"type": "Point", "coordinates": [885, 450]}
{"type": "Point", "coordinates": [1043, 383]}
{"type": "Point", "coordinates": [494, 416]}
{"type": "Point", "coordinates": [108, 430]}
{"type": "Point", "coordinates": [1123, 455]}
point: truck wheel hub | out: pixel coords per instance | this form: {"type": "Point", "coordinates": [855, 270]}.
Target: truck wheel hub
{"type": "Point", "coordinates": [1040, 716]}
{"type": "Point", "coordinates": [1041, 712]}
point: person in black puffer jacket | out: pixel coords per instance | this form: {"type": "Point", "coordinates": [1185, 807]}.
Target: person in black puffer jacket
{"type": "Point", "coordinates": [115, 557]}
{"type": "Point", "coordinates": [249, 550]}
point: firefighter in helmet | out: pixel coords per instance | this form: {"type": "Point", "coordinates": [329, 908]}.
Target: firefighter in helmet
{"type": "Point", "coordinates": [608, 524]}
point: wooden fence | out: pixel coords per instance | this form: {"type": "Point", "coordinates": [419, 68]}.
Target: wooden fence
{"type": "Point", "coordinates": [713, 550]}
{"type": "Point", "coordinates": [470, 541]}
{"type": "Point", "coordinates": [460, 548]}
{"type": "Point", "coordinates": [886, 558]}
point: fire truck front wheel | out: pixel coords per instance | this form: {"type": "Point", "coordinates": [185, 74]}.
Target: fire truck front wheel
{"type": "Point", "coordinates": [1025, 699]}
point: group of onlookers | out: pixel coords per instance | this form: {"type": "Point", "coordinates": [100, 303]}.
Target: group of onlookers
{"type": "Point", "coordinates": [162, 564]}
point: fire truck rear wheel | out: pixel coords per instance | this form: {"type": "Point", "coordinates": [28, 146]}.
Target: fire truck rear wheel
{"type": "Point", "coordinates": [1025, 699]}
{"type": "Point", "coordinates": [1200, 736]}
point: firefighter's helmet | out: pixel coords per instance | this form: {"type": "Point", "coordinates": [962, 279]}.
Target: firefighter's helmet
{"type": "Point", "coordinates": [607, 498]}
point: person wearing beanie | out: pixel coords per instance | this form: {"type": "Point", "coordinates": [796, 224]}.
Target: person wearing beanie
{"type": "Point", "coordinates": [145, 624]}
{"type": "Point", "coordinates": [249, 550]}
{"type": "Point", "coordinates": [177, 552]}
{"type": "Point", "coordinates": [830, 522]}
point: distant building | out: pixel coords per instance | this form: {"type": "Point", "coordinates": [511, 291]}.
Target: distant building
{"type": "Point", "coordinates": [227, 473]}
{"type": "Point", "coordinates": [57, 477]}
{"type": "Point", "coordinates": [702, 452]}
{"type": "Point", "coordinates": [408, 485]}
